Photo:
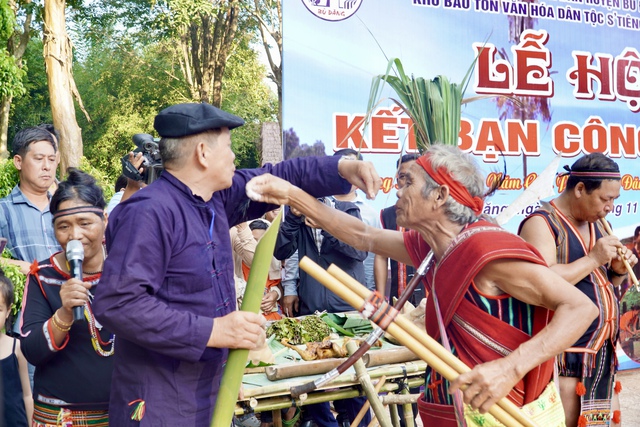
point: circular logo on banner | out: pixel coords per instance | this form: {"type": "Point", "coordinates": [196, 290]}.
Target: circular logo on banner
{"type": "Point", "coordinates": [333, 10]}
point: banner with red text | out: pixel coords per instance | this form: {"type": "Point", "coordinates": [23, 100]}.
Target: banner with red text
{"type": "Point", "coordinates": [574, 66]}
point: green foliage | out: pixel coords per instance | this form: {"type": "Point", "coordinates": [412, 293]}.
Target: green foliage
{"type": "Point", "coordinates": [103, 179]}
{"type": "Point", "coordinates": [136, 82]}
{"type": "Point", "coordinates": [433, 105]}
{"type": "Point", "coordinates": [246, 95]}
{"type": "Point", "coordinates": [8, 177]}
{"type": "Point", "coordinates": [18, 279]}
{"type": "Point", "coordinates": [32, 108]}
{"type": "Point", "coordinates": [631, 298]}
{"type": "Point", "coordinates": [128, 87]}
{"type": "Point", "coordinates": [7, 21]}
{"type": "Point", "coordinates": [310, 329]}
{"type": "Point", "coordinates": [128, 69]}
{"type": "Point", "coordinates": [10, 74]}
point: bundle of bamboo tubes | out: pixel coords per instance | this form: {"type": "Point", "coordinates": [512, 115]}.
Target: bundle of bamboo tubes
{"type": "Point", "coordinates": [410, 336]}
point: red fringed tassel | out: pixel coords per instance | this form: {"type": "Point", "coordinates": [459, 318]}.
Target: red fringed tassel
{"type": "Point", "coordinates": [582, 421]}
{"type": "Point", "coordinates": [618, 387]}
{"type": "Point", "coordinates": [617, 416]}
{"type": "Point", "coordinates": [580, 389]}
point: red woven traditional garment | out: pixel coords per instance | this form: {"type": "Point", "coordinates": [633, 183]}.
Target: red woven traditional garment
{"type": "Point", "coordinates": [477, 336]}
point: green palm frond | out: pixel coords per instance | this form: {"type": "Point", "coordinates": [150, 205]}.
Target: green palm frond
{"type": "Point", "coordinates": [434, 105]}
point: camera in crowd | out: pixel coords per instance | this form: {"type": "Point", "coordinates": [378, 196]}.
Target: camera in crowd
{"type": "Point", "coordinates": [151, 160]}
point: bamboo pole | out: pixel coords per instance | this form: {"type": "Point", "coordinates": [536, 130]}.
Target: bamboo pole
{"type": "Point", "coordinates": [281, 402]}
{"type": "Point", "coordinates": [347, 378]}
{"type": "Point", "coordinates": [395, 415]}
{"type": "Point", "coordinates": [513, 418]}
{"type": "Point", "coordinates": [277, 418]}
{"type": "Point", "coordinates": [399, 399]}
{"type": "Point", "coordinates": [632, 275]}
{"type": "Point", "coordinates": [407, 410]}
{"type": "Point", "coordinates": [367, 404]}
{"type": "Point", "coordinates": [367, 386]}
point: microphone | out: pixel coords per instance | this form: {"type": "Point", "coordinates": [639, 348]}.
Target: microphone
{"type": "Point", "coordinates": [75, 256]}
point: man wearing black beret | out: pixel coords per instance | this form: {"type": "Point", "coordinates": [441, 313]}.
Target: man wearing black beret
{"type": "Point", "coordinates": [167, 289]}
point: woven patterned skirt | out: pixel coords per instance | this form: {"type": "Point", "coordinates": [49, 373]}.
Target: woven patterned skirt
{"type": "Point", "coordinates": [54, 416]}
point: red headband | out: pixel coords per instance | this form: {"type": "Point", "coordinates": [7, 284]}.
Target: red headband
{"type": "Point", "coordinates": [459, 193]}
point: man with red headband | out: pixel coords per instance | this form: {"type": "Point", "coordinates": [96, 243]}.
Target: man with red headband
{"type": "Point", "coordinates": [490, 292]}
{"type": "Point", "coordinates": [569, 235]}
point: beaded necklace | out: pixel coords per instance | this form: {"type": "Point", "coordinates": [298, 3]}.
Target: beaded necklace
{"type": "Point", "coordinates": [96, 339]}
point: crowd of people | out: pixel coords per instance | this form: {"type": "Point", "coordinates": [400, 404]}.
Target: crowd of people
{"type": "Point", "coordinates": [162, 271]}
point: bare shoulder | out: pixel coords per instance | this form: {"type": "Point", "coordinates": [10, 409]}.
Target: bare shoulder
{"type": "Point", "coordinates": [6, 345]}
{"type": "Point", "coordinates": [533, 223]}
{"type": "Point", "coordinates": [536, 230]}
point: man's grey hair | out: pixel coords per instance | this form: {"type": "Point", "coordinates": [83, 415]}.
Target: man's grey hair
{"type": "Point", "coordinates": [174, 151]}
{"type": "Point", "coordinates": [462, 168]}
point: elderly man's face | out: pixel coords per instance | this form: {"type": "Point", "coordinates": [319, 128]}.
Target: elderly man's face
{"type": "Point", "coordinates": [402, 172]}
{"type": "Point", "coordinates": [409, 206]}
{"type": "Point", "coordinates": [222, 167]}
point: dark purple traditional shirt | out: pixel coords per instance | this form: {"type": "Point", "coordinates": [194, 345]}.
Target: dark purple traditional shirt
{"type": "Point", "coordinates": [168, 275]}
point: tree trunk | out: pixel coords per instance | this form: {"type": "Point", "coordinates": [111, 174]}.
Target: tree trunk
{"type": "Point", "coordinates": [224, 34]}
{"type": "Point", "coordinates": [58, 61]}
{"type": "Point", "coordinates": [5, 107]}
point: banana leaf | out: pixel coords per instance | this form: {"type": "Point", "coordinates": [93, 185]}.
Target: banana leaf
{"type": "Point", "coordinates": [237, 360]}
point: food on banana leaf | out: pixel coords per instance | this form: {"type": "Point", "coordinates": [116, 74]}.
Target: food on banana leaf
{"type": "Point", "coordinates": [314, 329]}
{"type": "Point", "coordinates": [309, 329]}
{"type": "Point", "coordinates": [325, 349]}
{"type": "Point", "coordinates": [349, 326]}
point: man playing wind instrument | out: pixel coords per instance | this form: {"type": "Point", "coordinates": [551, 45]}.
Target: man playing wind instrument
{"type": "Point", "coordinates": [490, 293]}
{"type": "Point", "coordinates": [569, 235]}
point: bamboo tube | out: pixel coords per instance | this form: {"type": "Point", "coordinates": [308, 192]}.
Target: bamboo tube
{"type": "Point", "coordinates": [399, 399]}
{"type": "Point", "coordinates": [284, 401]}
{"type": "Point", "coordinates": [367, 386]}
{"type": "Point", "coordinates": [367, 404]}
{"type": "Point", "coordinates": [344, 291]}
{"type": "Point", "coordinates": [430, 344]}
{"type": "Point", "coordinates": [347, 378]}
{"type": "Point", "coordinates": [407, 411]}
{"type": "Point", "coordinates": [237, 359]}
{"type": "Point", "coordinates": [632, 275]}
{"type": "Point", "coordinates": [385, 357]}
{"type": "Point", "coordinates": [277, 418]}
{"type": "Point", "coordinates": [395, 415]}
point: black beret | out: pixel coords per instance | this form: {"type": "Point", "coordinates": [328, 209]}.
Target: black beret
{"type": "Point", "coordinates": [189, 119]}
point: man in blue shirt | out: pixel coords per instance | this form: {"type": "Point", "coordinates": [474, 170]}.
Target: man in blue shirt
{"type": "Point", "coordinates": [167, 289]}
{"type": "Point", "coordinates": [25, 219]}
